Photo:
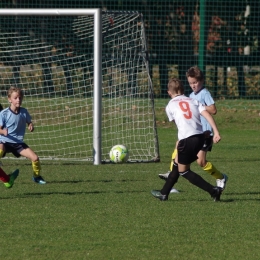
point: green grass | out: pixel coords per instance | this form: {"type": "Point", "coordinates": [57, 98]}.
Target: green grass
{"type": "Point", "coordinates": [107, 212]}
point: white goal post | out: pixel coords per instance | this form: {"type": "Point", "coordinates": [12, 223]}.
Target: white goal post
{"type": "Point", "coordinates": [111, 83]}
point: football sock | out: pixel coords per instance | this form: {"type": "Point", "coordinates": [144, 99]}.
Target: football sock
{"type": "Point", "coordinates": [173, 157]}
{"type": "Point", "coordinates": [1, 153]}
{"type": "Point", "coordinates": [212, 170]}
{"type": "Point", "coordinates": [171, 180]}
{"type": "Point", "coordinates": [3, 176]}
{"type": "Point", "coordinates": [197, 180]}
{"type": "Point", "coordinates": [36, 168]}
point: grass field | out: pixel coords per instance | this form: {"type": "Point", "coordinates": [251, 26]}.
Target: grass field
{"type": "Point", "coordinates": [107, 211]}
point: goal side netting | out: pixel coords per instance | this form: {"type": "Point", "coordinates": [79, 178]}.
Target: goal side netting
{"type": "Point", "coordinates": [51, 58]}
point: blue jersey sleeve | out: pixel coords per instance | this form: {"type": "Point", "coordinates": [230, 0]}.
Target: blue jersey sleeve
{"type": "Point", "coordinates": [28, 117]}
{"type": "Point", "coordinates": [208, 99]}
{"type": "Point", "coordinates": [1, 119]}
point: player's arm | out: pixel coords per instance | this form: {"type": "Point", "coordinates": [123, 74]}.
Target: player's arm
{"type": "Point", "coordinates": [211, 109]}
{"type": "Point", "coordinates": [3, 131]}
{"type": "Point", "coordinates": [29, 121]}
{"type": "Point", "coordinates": [210, 119]}
{"type": "Point", "coordinates": [209, 103]}
{"type": "Point", "coordinates": [30, 127]}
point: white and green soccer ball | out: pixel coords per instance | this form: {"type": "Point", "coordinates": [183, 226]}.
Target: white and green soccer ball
{"type": "Point", "coordinates": [119, 154]}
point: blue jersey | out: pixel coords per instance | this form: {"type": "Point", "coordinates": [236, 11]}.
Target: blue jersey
{"type": "Point", "coordinates": [205, 98]}
{"type": "Point", "coordinates": [15, 123]}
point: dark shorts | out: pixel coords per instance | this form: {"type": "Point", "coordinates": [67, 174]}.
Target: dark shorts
{"type": "Point", "coordinates": [14, 148]}
{"type": "Point", "coordinates": [188, 148]}
{"type": "Point", "coordinates": [207, 146]}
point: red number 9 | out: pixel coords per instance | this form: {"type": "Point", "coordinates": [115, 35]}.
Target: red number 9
{"type": "Point", "coordinates": [184, 106]}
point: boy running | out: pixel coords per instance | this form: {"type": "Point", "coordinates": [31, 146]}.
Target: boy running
{"type": "Point", "coordinates": [195, 78]}
{"type": "Point", "coordinates": [185, 112]}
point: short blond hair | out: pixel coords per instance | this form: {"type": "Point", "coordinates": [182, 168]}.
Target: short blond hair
{"type": "Point", "coordinates": [175, 86]}
{"type": "Point", "coordinates": [14, 89]}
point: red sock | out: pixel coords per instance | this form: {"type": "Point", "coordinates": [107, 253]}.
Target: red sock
{"type": "Point", "coordinates": [3, 176]}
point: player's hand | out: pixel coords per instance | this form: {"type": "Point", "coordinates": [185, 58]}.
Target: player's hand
{"type": "Point", "coordinates": [30, 127]}
{"type": "Point", "coordinates": [216, 138]}
{"type": "Point", "coordinates": [5, 132]}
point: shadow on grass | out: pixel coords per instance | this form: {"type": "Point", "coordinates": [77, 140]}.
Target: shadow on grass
{"type": "Point", "coordinates": [43, 194]}
{"type": "Point", "coordinates": [173, 197]}
{"type": "Point", "coordinates": [244, 193]}
{"type": "Point", "coordinates": [83, 181]}
{"type": "Point", "coordinates": [198, 200]}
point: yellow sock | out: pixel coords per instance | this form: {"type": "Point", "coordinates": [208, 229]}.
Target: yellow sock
{"type": "Point", "coordinates": [173, 157]}
{"type": "Point", "coordinates": [36, 168]}
{"type": "Point", "coordinates": [1, 153]}
{"type": "Point", "coordinates": [210, 168]}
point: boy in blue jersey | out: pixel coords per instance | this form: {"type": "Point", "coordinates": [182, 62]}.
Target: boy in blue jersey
{"type": "Point", "coordinates": [13, 121]}
{"type": "Point", "coordinates": [195, 78]}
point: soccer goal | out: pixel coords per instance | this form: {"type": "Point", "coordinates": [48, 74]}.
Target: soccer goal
{"type": "Point", "coordinates": [85, 76]}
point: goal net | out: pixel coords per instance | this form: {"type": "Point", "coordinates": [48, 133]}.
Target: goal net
{"type": "Point", "coordinates": [52, 59]}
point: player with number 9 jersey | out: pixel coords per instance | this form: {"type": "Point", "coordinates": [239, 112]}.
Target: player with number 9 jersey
{"type": "Point", "coordinates": [195, 78]}
{"type": "Point", "coordinates": [185, 112]}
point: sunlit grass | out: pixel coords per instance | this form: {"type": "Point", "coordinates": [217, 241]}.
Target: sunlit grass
{"type": "Point", "coordinates": [107, 211]}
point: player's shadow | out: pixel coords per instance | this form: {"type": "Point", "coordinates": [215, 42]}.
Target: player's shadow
{"type": "Point", "coordinates": [244, 193]}
{"type": "Point", "coordinates": [200, 200]}
{"type": "Point", "coordinates": [89, 181]}
{"type": "Point", "coordinates": [69, 193]}
{"type": "Point", "coordinates": [43, 194]}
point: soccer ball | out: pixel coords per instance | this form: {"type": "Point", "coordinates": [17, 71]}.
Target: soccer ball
{"type": "Point", "coordinates": [119, 154]}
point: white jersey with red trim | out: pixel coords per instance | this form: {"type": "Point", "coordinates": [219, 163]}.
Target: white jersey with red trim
{"type": "Point", "coordinates": [185, 112]}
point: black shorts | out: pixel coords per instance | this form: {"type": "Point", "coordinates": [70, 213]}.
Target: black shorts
{"type": "Point", "coordinates": [208, 143]}
{"type": "Point", "coordinates": [14, 148]}
{"type": "Point", "coordinates": [188, 148]}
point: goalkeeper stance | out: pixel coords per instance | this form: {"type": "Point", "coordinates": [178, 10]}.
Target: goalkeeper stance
{"type": "Point", "coordinates": [13, 122]}
{"type": "Point", "coordinates": [195, 78]}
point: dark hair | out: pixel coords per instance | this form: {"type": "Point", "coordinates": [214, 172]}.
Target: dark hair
{"type": "Point", "coordinates": [195, 72]}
